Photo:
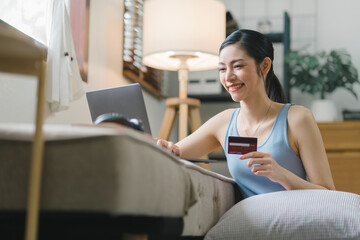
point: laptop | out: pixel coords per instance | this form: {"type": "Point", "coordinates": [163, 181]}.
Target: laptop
{"type": "Point", "coordinates": [127, 100]}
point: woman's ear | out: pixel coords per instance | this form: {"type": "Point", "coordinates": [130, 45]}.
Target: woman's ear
{"type": "Point", "coordinates": [265, 66]}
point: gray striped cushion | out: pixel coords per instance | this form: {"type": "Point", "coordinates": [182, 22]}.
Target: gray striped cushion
{"type": "Point", "coordinates": [298, 214]}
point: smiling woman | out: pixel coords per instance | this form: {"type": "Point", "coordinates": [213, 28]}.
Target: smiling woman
{"type": "Point", "coordinates": [290, 153]}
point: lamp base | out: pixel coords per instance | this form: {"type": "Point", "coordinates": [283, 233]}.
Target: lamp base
{"type": "Point", "coordinates": [191, 112]}
{"type": "Point", "coordinates": [187, 108]}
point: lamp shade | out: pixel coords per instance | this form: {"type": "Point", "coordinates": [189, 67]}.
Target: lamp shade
{"type": "Point", "coordinates": [192, 28]}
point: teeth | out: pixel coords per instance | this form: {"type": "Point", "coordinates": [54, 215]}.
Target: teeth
{"type": "Point", "coordinates": [236, 87]}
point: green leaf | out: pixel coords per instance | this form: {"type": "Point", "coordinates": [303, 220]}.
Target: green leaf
{"type": "Point", "coordinates": [322, 72]}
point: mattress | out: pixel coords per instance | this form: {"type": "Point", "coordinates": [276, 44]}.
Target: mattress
{"type": "Point", "coordinates": [117, 171]}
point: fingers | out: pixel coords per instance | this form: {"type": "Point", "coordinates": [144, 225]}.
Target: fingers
{"type": "Point", "coordinates": [159, 142]}
{"type": "Point", "coordinates": [260, 161]}
{"type": "Point", "coordinates": [258, 168]}
{"type": "Point", "coordinates": [257, 158]}
{"type": "Point", "coordinates": [263, 164]}
{"type": "Point", "coordinates": [170, 146]}
{"type": "Point", "coordinates": [262, 170]}
{"type": "Point", "coordinates": [162, 143]}
{"type": "Point", "coordinates": [254, 155]}
{"type": "Point", "coordinates": [264, 173]}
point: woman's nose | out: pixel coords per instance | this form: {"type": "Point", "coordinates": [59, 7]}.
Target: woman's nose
{"type": "Point", "coordinates": [229, 75]}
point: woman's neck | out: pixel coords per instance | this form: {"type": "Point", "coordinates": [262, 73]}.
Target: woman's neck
{"type": "Point", "coordinates": [253, 110]}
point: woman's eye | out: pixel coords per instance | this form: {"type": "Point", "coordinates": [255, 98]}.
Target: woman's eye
{"type": "Point", "coordinates": [238, 66]}
{"type": "Point", "coordinates": [222, 69]}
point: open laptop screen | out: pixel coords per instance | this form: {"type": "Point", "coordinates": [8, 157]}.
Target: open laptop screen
{"type": "Point", "coordinates": [127, 100]}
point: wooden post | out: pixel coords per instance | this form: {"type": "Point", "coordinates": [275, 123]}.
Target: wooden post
{"type": "Point", "coordinates": [190, 115]}
{"type": "Point", "coordinates": [36, 162]}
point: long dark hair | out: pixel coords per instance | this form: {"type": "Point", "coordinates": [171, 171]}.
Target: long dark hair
{"type": "Point", "coordinates": [258, 47]}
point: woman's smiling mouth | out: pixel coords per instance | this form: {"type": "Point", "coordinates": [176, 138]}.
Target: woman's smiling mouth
{"type": "Point", "coordinates": [235, 87]}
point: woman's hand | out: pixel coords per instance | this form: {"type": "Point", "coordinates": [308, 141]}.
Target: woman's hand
{"type": "Point", "coordinates": [170, 146]}
{"type": "Point", "coordinates": [265, 165]}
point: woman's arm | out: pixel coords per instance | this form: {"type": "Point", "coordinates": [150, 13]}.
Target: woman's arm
{"type": "Point", "coordinates": [304, 133]}
{"type": "Point", "coordinates": [205, 139]}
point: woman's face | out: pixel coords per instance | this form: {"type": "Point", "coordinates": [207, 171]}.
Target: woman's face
{"type": "Point", "coordinates": [238, 73]}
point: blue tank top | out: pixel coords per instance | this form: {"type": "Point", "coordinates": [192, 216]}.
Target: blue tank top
{"type": "Point", "coordinates": [276, 144]}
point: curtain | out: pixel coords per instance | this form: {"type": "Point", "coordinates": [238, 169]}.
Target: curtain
{"type": "Point", "coordinates": [64, 82]}
{"type": "Point", "coordinates": [48, 21]}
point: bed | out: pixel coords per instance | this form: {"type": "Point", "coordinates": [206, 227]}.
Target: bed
{"type": "Point", "coordinates": [101, 182]}
{"type": "Point", "coordinates": [115, 183]}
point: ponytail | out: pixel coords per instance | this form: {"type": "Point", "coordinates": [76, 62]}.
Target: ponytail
{"type": "Point", "coordinates": [273, 87]}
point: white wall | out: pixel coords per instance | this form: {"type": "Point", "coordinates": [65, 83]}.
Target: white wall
{"type": "Point", "coordinates": [336, 26]}
{"type": "Point", "coordinates": [318, 24]}
{"type": "Point", "coordinates": [338, 23]}
{"type": "Point", "coordinates": [17, 98]}
{"type": "Point", "coordinates": [17, 94]}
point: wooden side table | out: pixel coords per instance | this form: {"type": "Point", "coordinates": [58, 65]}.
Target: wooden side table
{"type": "Point", "coordinates": [21, 54]}
{"type": "Point", "coordinates": [342, 145]}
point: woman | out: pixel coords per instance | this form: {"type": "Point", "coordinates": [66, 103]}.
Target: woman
{"type": "Point", "coordinates": [290, 152]}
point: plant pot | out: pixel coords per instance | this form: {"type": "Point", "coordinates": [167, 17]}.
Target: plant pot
{"type": "Point", "coordinates": [324, 110]}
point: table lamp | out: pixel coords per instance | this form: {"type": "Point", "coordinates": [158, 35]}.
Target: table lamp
{"type": "Point", "coordinates": [183, 36]}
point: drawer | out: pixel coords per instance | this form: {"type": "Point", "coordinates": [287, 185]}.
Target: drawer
{"type": "Point", "coordinates": [341, 136]}
{"type": "Point", "coordinates": [345, 169]}
{"type": "Point", "coordinates": [342, 144]}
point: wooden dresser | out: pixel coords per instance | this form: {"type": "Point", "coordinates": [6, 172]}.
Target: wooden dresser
{"type": "Point", "coordinates": [342, 144]}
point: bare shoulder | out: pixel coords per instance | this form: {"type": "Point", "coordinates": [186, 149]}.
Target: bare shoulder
{"type": "Point", "coordinates": [298, 114]}
{"type": "Point", "coordinates": [300, 118]}
{"type": "Point", "coordinates": [218, 120]}
{"type": "Point", "coordinates": [224, 115]}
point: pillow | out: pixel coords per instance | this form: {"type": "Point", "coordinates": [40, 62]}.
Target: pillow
{"type": "Point", "coordinates": [297, 214]}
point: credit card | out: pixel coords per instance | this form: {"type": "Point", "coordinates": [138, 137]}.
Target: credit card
{"type": "Point", "coordinates": [241, 145]}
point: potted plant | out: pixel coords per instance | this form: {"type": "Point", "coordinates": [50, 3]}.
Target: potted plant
{"type": "Point", "coordinates": [322, 73]}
